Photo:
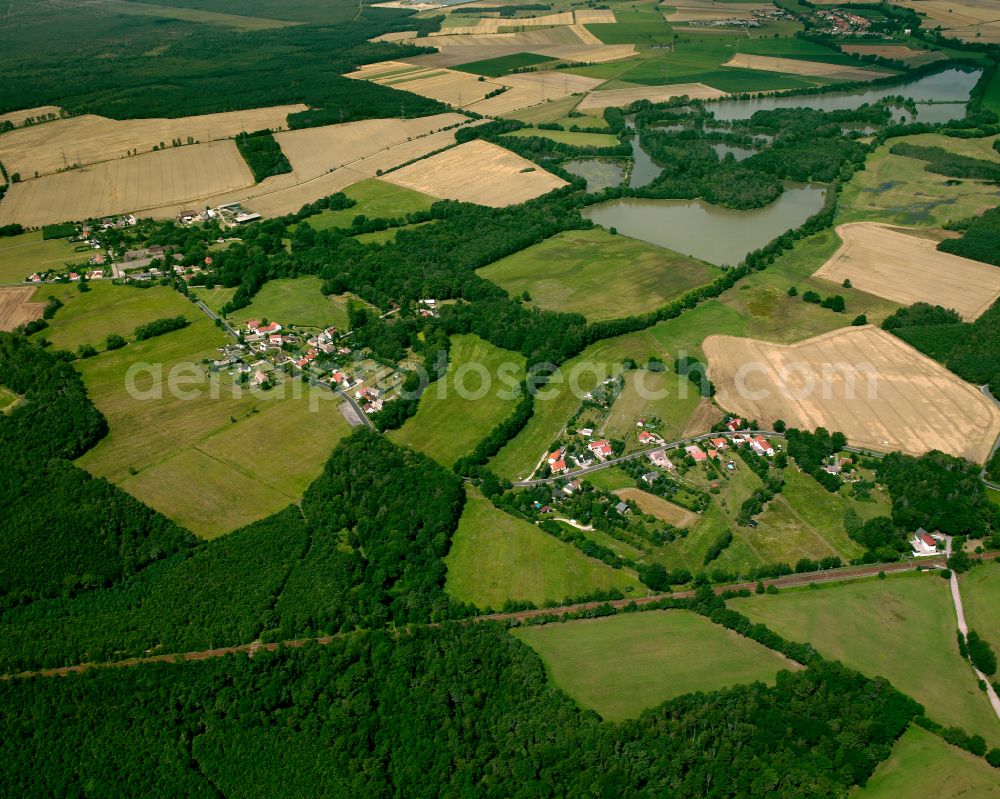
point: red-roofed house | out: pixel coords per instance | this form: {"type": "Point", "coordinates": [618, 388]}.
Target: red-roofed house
{"type": "Point", "coordinates": [253, 324]}
{"type": "Point", "coordinates": [645, 437]}
{"type": "Point", "coordinates": [696, 452]}
{"type": "Point", "coordinates": [555, 456]}
{"type": "Point", "coordinates": [923, 544]}
{"type": "Point", "coordinates": [602, 449]}
{"type": "Point", "coordinates": [734, 424]}
{"type": "Point", "coordinates": [719, 443]}
{"type": "Point", "coordinates": [760, 445]}
{"type": "Point", "coordinates": [559, 467]}
{"type": "Point", "coordinates": [267, 330]}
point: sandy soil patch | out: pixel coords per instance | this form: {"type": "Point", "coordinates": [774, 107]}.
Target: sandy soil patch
{"type": "Point", "coordinates": [876, 389]}
{"type": "Point", "coordinates": [90, 139]}
{"type": "Point", "coordinates": [793, 66]}
{"type": "Point", "coordinates": [477, 172]}
{"type": "Point", "coordinates": [18, 117]}
{"type": "Point", "coordinates": [701, 421]}
{"type": "Point", "coordinates": [906, 268]}
{"type": "Point", "coordinates": [16, 308]}
{"type": "Point", "coordinates": [177, 175]}
{"type": "Point", "coordinates": [656, 94]}
{"type": "Point", "coordinates": [662, 509]}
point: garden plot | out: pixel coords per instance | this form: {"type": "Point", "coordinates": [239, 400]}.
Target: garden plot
{"type": "Point", "coordinates": [477, 172]}
{"type": "Point", "coordinates": [877, 390]}
{"type": "Point", "coordinates": [890, 263]}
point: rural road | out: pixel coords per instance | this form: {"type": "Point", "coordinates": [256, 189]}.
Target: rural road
{"type": "Point", "coordinates": [956, 597]}
{"type": "Point", "coordinates": [788, 581]}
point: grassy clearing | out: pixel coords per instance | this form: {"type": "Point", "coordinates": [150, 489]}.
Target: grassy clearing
{"type": "Point", "coordinates": [762, 298]}
{"type": "Point", "coordinates": [922, 765]}
{"type": "Point", "coordinates": [575, 138]}
{"type": "Point", "coordinates": [389, 234]}
{"type": "Point", "coordinates": [8, 400]}
{"type": "Point", "coordinates": [215, 297]}
{"type": "Point", "coordinates": [994, 495]}
{"type": "Point", "coordinates": [88, 318]}
{"type": "Point", "coordinates": [27, 253]}
{"type": "Point", "coordinates": [581, 374]}
{"type": "Point", "coordinates": [622, 665]}
{"type": "Point", "coordinates": [898, 190]}
{"type": "Point", "coordinates": [295, 301]}
{"type": "Point", "coordinates": [981, 599]}
{"type": "Point", "coordinates": [447, 425]}
{"type": "Point", "coordinates": [665, 395]}
{"type": "Point", "coordinates": [610, 479]}
{"type": "Point", "coordinates": [376, 199]}
{"type": "Point", "coordinates": [495, 67]}
{"type": "Point", "coordinates": [599, 275]}
{"type": "Point", "coordinates": [496, 557]}
{"type": "Point", "coordinates": [212, 463]}
{"type": "Point", "coordinates": [901, 628]}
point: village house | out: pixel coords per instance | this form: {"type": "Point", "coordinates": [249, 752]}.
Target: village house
{"type": "Point", "coordinates": [761, 446]}
{"type": "Point", "coordinates": [570, 488]}
{"type": "Point", "coordinates": [696, 452]}
{"type": "Point", "coordinates": [586, 432]}
{"type": "Point", "coordinates": [719, 443]}
{"type": "Point", "coordinates": [259, 378]}
{"type": "Point", "coordinates": [623, 508]}
{"type": "Point", "coordinates": [602, 449]}
{"type": "Point", "coordinates": [552, 457]}
{"type": "Point", "coordinates": [559, 467]}
{"type": "Point", "coordinates": [267, 330]}
{"type": "Point", "coordinates": [734, 424]}
{"type": "Point", "coordinates": [645, 437]}
{"type": "Point", "coordinates": [923, 543]}
{"type": "Point", "coordinates": [660, 459]}
{"type": "Point", "coordinates": [650, 477]}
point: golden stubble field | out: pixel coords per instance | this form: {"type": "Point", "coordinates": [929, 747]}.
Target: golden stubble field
{"type": "Point", "coordinates": [598, 101]}
{"type": "Point", "coordinates": [868, 384]}
{"type": "Point", "coordinates": [890, 263]}
{"type": "Point", "coordinates": [180, 175]}
{"type": "Point", "coordinates": [16, 307]}
{"type": "Point", "coordinates": [477, 172]}
{"type": "Point", "coordinates": [89, 139]}
{"type": "Point", "coordinates": [794, 66]}
{"type": "Point", "coordinates": [971, 20]}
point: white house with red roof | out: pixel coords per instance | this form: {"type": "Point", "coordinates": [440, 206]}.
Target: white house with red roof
{"type": "Point", "coordinates": [602, 449]}
{"type": "Point", "coordinates": [645, 437]}
{"type": "Point", "coordinates": [719, 443]}
{"type": "Point", "coordinates": [559, 466]}
{"type": "Point", "coordinates": [761, 446]}
{"type": "Point", "coordinates": [923, 543]}
{"type": "Point", "coordinates": [553, 457]}
{"type": "Point", "coordinates": [696, 452]}
{"type": "Point", "coordinates": [734, 424]}
{"type": "Point", "coordinates": [267, 330]}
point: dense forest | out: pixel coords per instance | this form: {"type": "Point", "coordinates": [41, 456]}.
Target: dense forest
{"type": "Point", "coordinates": [127, 65]}
{"type": "Point", "coordinates": [969, 349]}
{"type": "Point", "coordinates": [263, 154]}
{"type": "Point", "coordinates": [62, 530]}
{"type": "Point", "coordinates": [980, 239]}
{"type": "Point", "coordinates": [452, 711]}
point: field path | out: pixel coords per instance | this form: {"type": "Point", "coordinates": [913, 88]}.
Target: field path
{"type": "Point", "coordinates": [956, 597]}
{"type": "Point", "coordinates": [789, 581]}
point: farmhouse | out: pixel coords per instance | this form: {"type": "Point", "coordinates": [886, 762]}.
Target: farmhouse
{"type": "Point", "coordinates": [696, 452]}
{"type": "Point", "coordinates": [645, 437]}
{"type": "Point", "coordinates": [602, 449]}
{"type": "Point", "coordinates": [760, 445]}
{"type": "Point", "coordinates": [923, 543]}
{"type": "Point", "coordinates": [719, 443]}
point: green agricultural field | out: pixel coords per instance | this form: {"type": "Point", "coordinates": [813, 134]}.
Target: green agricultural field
{"type": "Point", "coordinates": [994, 495]}
{"type": "Point", "coordinates": [800, 49]}
{"type": "Point", "coordinates": [576, 138]}
{"type": "Point", "coordinates": [622, 665]}
{"type": "Point", "coordinates": [898, 190]}
{"type": "Point", "coordinates": [295, 301]}
{"type": "Point", "coordinates": [447, 424]}
{"type": "Point", "coordinates": [89, 317]}
{"type": "Point", "coordinates": [601, 276]}
{"type": "Point", "coordinates": [376, 199]}
{"type": "Point", "coordinates": [27, 253]}
{"type": "Point", "coordinates": [496, 557]}
{"type": "Point", "coordinates": [762, 298]}
{"type": "Point", "coordinates": [640, 24]}
{"type": "Point", "coordinates": [580, 374]}
{"type": "Point", "coordinates": [210, 461]}
{"type": "Point", "coordinates": [922, 765]}
{"type": "Point", "coordinates": [901, 628]}
{"type": "Point", "coordinates": [551, 111]}
{"type": "Point", "coordinates": [981, 601]}
{"type": "Point", "coordinates": [495, 67]}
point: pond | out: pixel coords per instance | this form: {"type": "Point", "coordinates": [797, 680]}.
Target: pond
{"type": "Point", "coordinates": [739, 153]}
{"type": "Point", "coordinates": [940, 97]}
{"type": "Point", "coordinates": [710, 232]}
{"type": "Point", "coordinates": [600, 173]}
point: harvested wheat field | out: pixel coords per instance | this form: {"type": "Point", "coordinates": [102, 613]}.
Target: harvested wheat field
{"type": "Point", "coordinates": [396, 36]}
{"type": "Point", "coordinates": [533, 89]}
{"type": "Point", "coordinates": [477, 172]}
{"type": "Point", "coordinates": [137, 184]}
{"type": "Point", "coordinates": [656, 94]}
{"type": "Point", "coordinates": [18, 118]}
{"type": "Point", "coordinates": [16, 307]}
{"type": "Point", "coordinates": [90, 139]}
{"type": "Point", "coordinates": [964, 19]}
{"type": "Point", "coordinates": [660, 508]}
{"type": "Point", "coordinates": [709, 10]}
{"type": "Point", "coordinates": [899, 52]}
{"type": "Point", "coordinates": [793, 66]}
{"type": "Point", "coordinates": [890, 263]}
{"type": "Point", "coordinates": [876, 389]}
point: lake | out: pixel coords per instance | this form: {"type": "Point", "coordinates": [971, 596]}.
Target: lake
{"type": "Point", "coordinates": [940, 97]}
{"type": "Point", "coordinates": [600, 173]}
{"type": "Point", "coordinates": [710, 232]}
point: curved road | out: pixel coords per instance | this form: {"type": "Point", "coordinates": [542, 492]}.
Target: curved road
{"type": "Point", "coordinates": [788, 581]}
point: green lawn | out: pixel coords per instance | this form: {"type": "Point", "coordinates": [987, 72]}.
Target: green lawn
{"type": "Point", "coordinates": [601, 276]}
{"type": "Point", "coordinates": [610, 479]}
{"type": "Point", "coordinates": [898, 190]}
{"type": "Point", "coordinates": [215, 297]}
{"type": "Point", "coordinates": [496, 557]}
{"type": "Point", "coordinates": [622, 665]}
{"type": "Point", "coordinates": [922, 765]}
{"type": "Point", "coordinates": [212, 460]}
{"type": "Point", "coordinates": [295, 301]}
{"type": "Point", "coordinates": [88, 318]}
{"type": "Point", "coordinates": [901, 628]}
{"type": "Point", "coordinates": [8, 400]}
{"type": "Point", "coordinates": [580, 374]}
{"type": "Point", "coordinates": [458, 411]}
{"type": "Point", "coordinates": [27, 253]}
{"type": "Point", "coordinates": [576, 138]}
{"type": "Point", "coordinates": [495, 67]}
{"type": "Point", "coordinates": [376, 199]}
{"type": "Point", "coordinates": [981, 601]}
{"type": "Point", "coordinates": [762, 298]}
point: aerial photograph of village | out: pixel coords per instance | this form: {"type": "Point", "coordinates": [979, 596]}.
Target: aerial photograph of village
{"type": "Point", "coordinates": [500, 398]}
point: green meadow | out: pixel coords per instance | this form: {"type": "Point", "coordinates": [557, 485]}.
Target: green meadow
{"type": "Point", "coordinates": [21, 255]}
{"type": "Point", "coordinates": [376, 199]}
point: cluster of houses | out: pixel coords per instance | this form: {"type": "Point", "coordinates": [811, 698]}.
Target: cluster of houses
{"type": "Point", "coordinates": [759, 17]}
{"type": "Point", "coordinates": [841, 22]}
{"type": "Point", "coordinates": [230, 215]}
